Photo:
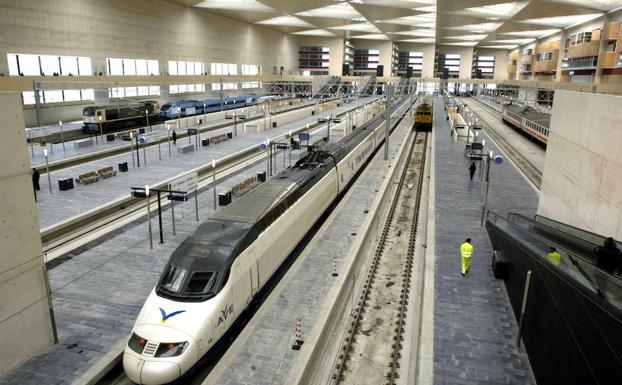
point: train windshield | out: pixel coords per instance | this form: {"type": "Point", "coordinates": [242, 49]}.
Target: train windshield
{"type": "Point", "coordinates": [88, 111]}
{"type": "Point", "coordinates": [180, 282]}
{"type": "Point", "coordinates": [166, 106]}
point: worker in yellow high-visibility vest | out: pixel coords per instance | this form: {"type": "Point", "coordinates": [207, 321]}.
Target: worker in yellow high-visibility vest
{"type": "Point", "coordinates": [466, 250]}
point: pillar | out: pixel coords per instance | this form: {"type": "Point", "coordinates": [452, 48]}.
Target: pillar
{"type": "Point", "coordinates": [560, 57]}
{"type": "Point", "coordinates": [602, 48]}
{"type": "Point", "coordinates": [25, 322]}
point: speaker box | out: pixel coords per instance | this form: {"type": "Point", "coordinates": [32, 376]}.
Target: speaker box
{"type": "Point", "coordinates": [380, 70]}
{"type": "Point", "coordinates": [445, 73]}
{"type": "Point", "coordinates": [345, 70]}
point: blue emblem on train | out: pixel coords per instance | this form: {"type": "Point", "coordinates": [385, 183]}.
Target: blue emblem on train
{"type": "Point", "coordinates": [170, 315]}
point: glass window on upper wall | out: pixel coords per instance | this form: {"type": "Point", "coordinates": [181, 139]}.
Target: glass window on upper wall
{"type": "Point", "coordinates": [36, 65]}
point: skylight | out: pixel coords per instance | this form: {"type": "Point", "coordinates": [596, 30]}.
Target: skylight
{"type": "Point", "coordinates": [359, 27]}
{"type": "Point", "coordinates": [340, 11]}
{"type": "Point", "coordinates": [235, 5]}
{"type": "Point", "coordinates": [498, 46]}
{"type": "Point", "coordinates": [422, 40]}
{"type": "Point", "coordinates": [418, 32]}
{"type": "Point", "coordinates": [315, 32]}
{"type": "Point", "coordinates": [288, 21]}
{"type": "Point", "coordinates": [463, 43]}
{"type": "Point", "coordinates": [503, 10]}
{"type": "Point", "coordinates": [536, 33]}
{"type": "Point", "coordinates": [477, 28]}
{"type": "Point", "coordinates": [561, 21]}
{"type": "Point", "coordinates": [467, 37]}
{"type": "Point", "coordinates": [373, 36]}
{"type": "Point", "coordinates": [603, 5]}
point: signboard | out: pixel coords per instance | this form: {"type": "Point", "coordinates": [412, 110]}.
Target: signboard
{"type": "Point", "coordinates": [39, 132]}
{"type": "Point", "coordinates": [192, 131]}
{"type": "Point", "coordinates": [190, 111]}
{"type": "Point", "coordinates": [263, 146]}
{"type": "Point", "coordinates": [142, 140]}
{"type": "Point", "coordinates": [282, 146]}
{"type": "Point", "coordinates": [189, 182]}
{"type": "Point", "coordinates": [498, 159]}
{"type": "Point", "coordinates": [304, 136]}
{"type": "Point", "coordinates": [149, 137]}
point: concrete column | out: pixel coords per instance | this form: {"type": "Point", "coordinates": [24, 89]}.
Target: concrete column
{"type": "Point", "coordinates": [25, 323]}
{"type": "Point", "coordinates": [602, 48]}
{"type": "Point", "coordinates": [560, 57]}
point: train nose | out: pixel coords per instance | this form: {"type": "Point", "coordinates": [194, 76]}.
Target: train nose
{"type": "Point", "coordinates": [150, 372]}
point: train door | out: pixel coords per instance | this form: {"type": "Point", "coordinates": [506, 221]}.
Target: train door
{"type": "Point", "coordinates": [254, 278]}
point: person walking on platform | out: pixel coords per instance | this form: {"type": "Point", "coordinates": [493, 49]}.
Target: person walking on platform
{"type": "Point", "coordinates": [35, 179]}
{"type": "Point", "coordinates": [466, 250]}
{"type": "Point", "coordinates": [174, 137]}
{"type": "Point", "coordinates": [472, 169]}
{"type": "Point", "coordinates": [554, 256]}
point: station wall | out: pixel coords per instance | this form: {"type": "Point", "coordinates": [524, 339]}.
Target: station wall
{"type": "Point", "coordinates": [138, 29]}
{"type": "Point", "coordinates": [25, 323]}
{"type": "Point", "coordinates": [466, 58]}
{"type": "Point", "coordinates": [582, 181]}
{"type": "Point", "coordinates": [428, 51]}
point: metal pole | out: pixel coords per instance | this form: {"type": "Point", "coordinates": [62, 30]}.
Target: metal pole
{"type": "Point", "coordinates": [235, 126]}
{"type": "Point", "coordinates": [160, 219]}
{"type": "Point", "coordinates": [47, 170]}
{"type": "Point", "coordinates": [196, 205]}
{"type": "Point", "coordinates": [168, 130]}
{"type": "Point", "coordinates": [196, 140]}
{"type": "Point", "coordinates": [145, 154]}
{"type": "Point", "coordinates": [137, 152]}
{"type": "Point", "coordinates": [268, 158]}
{"type": "Point", "coordinates": [173, 216]}
{"type": "Point", "coordinates": [62, 139]}
{"type": "Point", "coordinates": [159, 151]}
{"type": "Point", "coordinates": [48, 292]}
{"type": "Point", "coordinates": [214, 181]}
{"type": "Point", "coordinates": [132, 150]}
{"type": "Point", "coordinates": [32, 148]}
{"type": "Point", "coordinates": [147, 115]}
{"type": "Point", "coordinates": [388, 120]}
{"type": "Point", "coordinates": [522, 309]}
{"type": "Point", "coordinates": [486, 190]}
{"type": "Point", "coordinates": [149, 220]}
{"type": "Point", "coordinates": [330, 118]}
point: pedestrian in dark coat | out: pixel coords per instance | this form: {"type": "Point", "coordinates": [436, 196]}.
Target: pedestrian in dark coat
{"type": "Point", "coordinates": [174, 137]}
{"type": "Point", "coordinates": [472, 170]}
{"type": "Point", "coordinates": [35, 179]}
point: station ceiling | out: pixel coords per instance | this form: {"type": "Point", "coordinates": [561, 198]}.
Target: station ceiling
{"type": "Point", "coordinates": [482, 23]}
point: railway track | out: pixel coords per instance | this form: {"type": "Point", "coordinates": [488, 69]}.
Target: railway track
{"type": "Point", "coordinates": [528, 169]}
{"type": "Point", "coordinates": [371, 350]}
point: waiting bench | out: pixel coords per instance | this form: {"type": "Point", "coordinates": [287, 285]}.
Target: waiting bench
{"type": "Point", "coordinates": [88, 177]}
{"type": "Point", "coordinates": [106, 172]}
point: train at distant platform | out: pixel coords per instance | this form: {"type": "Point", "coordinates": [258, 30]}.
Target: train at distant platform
{"type": "Point", "coordinates": [113, 118]}
{"type": "Point", "coordinates": [424, 114]}
{"type": "Point", "coordinates": [533, 123]}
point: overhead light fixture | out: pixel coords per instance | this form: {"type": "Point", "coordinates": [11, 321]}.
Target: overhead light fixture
{"type": "Point", "coordinates": [502, 10]}
{"type": "Point", "coordinates": [287, 21]}
{"type": "Point", "coordinates": [373, 36]}
{"type": "Point", "coordinates": [462, 43]}
{"type": "Point", "coordinates": [477, 28]}
{"type": "Point", "coordinates": [411, 20]}
{"type": "Point", "coordinates": [534, 33]}
{"type": "Point", "coordinates": [603, 5]}
{"type": "Point", "coordinates": [422, 40]}
{"type": "Point", "coordinates": [512, 41]}
{"type": "Point", "coordinates": [418, 32]}
{"type": "Point", "coordinates": [467, 37]}
{"type": "Point", "coordinates": [506, 46]}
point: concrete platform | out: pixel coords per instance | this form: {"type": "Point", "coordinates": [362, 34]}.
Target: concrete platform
{"type": "Point", "coordinates": [62, 205]}
{"type": "Point", "coordinates": [56, 153]}
{"type": "Point", "coordinates": [262, 354]}
{"type": "Point", "coordinates": [474, 326]}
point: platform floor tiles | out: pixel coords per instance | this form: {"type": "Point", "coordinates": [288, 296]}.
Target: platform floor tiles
{"type": "Point", "coordinates": [62, 205]}
{"type": "Point", "coordinates": [265, 355]}
{"type": "Point", "coordinates": [474, 326]}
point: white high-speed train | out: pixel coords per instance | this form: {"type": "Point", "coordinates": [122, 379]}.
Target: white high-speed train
{"type": "Point", "coordinates": [215, 273]}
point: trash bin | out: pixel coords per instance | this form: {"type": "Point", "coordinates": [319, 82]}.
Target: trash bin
{"type": "Point", "coordinates": [499, 265]}
{"type": "Point", "coordinates": [122, 167]}
{"type": "Point", "coordinates": [261, 176]}
{"type": "Point", "coordinates": [110, 137]}
{"type": "Point", "coordinates": [273, 124]}
{"type": "Point", "coordinates": [205, 142]}
{"type": "Point", "coordinates": [141, 130]}
{"type": "Point", "coordinates": [65, 184]}
{"type": "Point", "coordinates": [224, 199]}
{"type": "Point", "coordinates": [230, 135]}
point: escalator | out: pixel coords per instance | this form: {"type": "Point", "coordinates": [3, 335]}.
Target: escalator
{"type": "Point", "coordinates": [572, 327]}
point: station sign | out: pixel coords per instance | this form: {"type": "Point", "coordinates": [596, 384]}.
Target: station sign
{"type": "Point", "coordinates": [192, 131]}
{"type": "Point", "coordinates": [263, 146]}
{"type": "Point", "coordinates": [498, 159]}
{"type": "Point", "coordinates": [304, 136]}
{"type": "Point", "coordinates": [186, 183]}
